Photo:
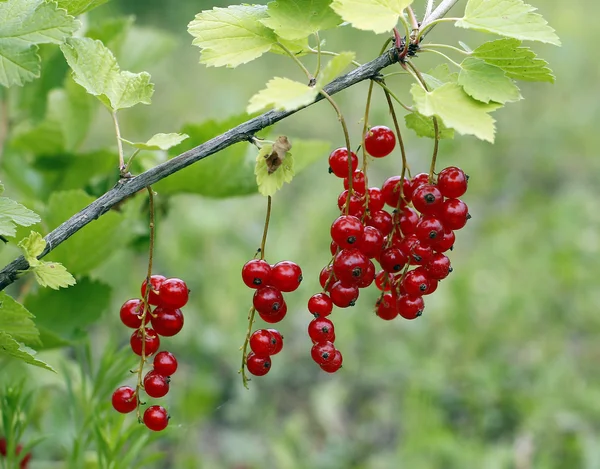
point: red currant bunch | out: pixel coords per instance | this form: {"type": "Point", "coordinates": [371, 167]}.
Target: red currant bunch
{"type": "Point", "coordinates": [24, 463]}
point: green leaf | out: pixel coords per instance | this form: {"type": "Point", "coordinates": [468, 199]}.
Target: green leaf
{"type": "Point", "coordinates": [379, 16]}
{"type": "Point", "coordinates": [23, 25]}
{"type": "Point", "coordinates": [307, 152]}
{"type": "Point", "coordinates": [267, 183]}
{"type": "Point", "coordinates": [13, 213]}
{"type": "Point", "coordinates": [9, 346]}
{"type": "Point", "coordinates": [96, 69]}
{"type": "Point", "coordinates": [53, 275]}
{"type": "Point", "coordinates": [486, 82]}
{"type": "Point", "coordinates": [17, 321]}
{"type": "Point", "coordinates": [510, 18]}
{"type": "Point", "coordinates": [439, 75]}
{"type": "Point", "coordinates": [456, 109]}
{"type": "Point", "coordinates": [77, 7]}
{"type": "Point", "coordinates": [519, 63]}
{"type": "Point", "coordinates": [297, 19]}
{"type": "Point", "coordinates": [334, 68]}
{"type": "Point", "coordinates": [423, 126]}
{"type": "Point", "coordinates": [231, 36]}
{"type": "Point", "coordinates": [160, 141]}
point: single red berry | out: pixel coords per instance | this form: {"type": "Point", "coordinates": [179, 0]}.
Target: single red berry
{"type": "Point", "coordinates": [371, 243]}
{"type": "Point", "coordinates": [321, 330]}
{"type": "Point", "coordinates": [415, 282]}
{"type": "Point", "coordinates": [165, 363]}
{"type": "Point", "coordinates": [445, 242]}
{"type": "Point", "coordinates": [429, 229]}
{"type": "Point", "coordinates": [427, 199]}
{"type": "Point", "coordinates": [417, 181]}
{"type": "Point", "coordinates": [379, 141]}
{"type": "Point", "coordinates": [256, 273]}
{"type": "Point", "coordinates": [262, 342]}
{"type": "Point", "coordinates": [273, 317]}
{"type": "Point", "coordinates": [392, 260]}
{"type": "Point", "coordinates": [386, 307]}
{"type": "Point", "coordinates": [131, 313]}
{"type": "Point", "coordinates": [376, 200]}
{"type": "Point", "coordinates": [286, 276]}
{"type": "Point", "coordinates": [410, 307]}
{"type": "Point", "coordinates": [338, 162]}
{"type": "Point", "coordinates": [123, 400]}
{"type": "Point", "coordinates": [408, 219]}
{"type": "Point", "coordinates": [327, 277]}
{"type": "Point", "coordinates": [268, 300]}
{"type": "Point", "coordinates": [368, 276]}
{"type": "Point", "coordinates": [320, 305]}
{"type": "Point", "coordinates": [347, 231]}
{"type": "Point", "coordinates": [173, 292]}
{"type": "Point", "coordinates": [381, 220]}
{"type": "Point", "coordinates": [438, 266]}
{"type": "Point", "coordinates": [357, 204]}
{"type": "Point", "coordinates": [418, 253]}
{"type": "Point", "coordinates": [452, 182]}
{"type": "Point", "coordinates": [358, 182]}
{"type": "Point", "coordinates": [322, 352]}
{"type": "Point", "coordinates": [343, 296]}
{"type": "Point", "coordinates": [433, 284]}
{"type": "Point", "coordinates": [333, 248]}
{"type": "Point", "coordinates": [391, 191]}
{"type": "Point", "coordinates": [333, 365]}
{"type": "Point", "coordinates": [279, 339]}
{"type": "Point", "coordinates": [454, 214]}
{"type": "Point", "coordinates": [155, 384]}
{"type": "Point", "coordinates": [156, 418]}
{"type": "Point", "coordinates": [167, 321]}
{"type": "Point", "coordinates": [384, 280]}
{"type": "Point", "coordinates": [258, 365]}
{"type": "Point", "coordinates": [349, 266]}
{"type": "Point", "coordinates": [155, 281]}
{"type": "Point", "coordinates": [152, 342]}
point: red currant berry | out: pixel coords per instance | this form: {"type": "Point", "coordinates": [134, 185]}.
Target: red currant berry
{"type": "Point", "coordinates": [155, 384]}
{"type": "Point", "coordinates": [408, 220]}
{"type": "Point", "coordinates": [454, 214]}
{"type": "Point", "coordinates": [357, 204]}
{"type": "Point", "coordinates": [347, 231]}
{"type": "Point", "coordinates": [167, 321]}
{"type": "Point", "coordinates": [124, 400]}
{"type": "Point", "coordinates": [165, 363]}
{"type": "Point", "coordinates": [429, 229]}
{"type": "Point", "coordinates": [152, 342]}
{"type": "Point", "coordinates": [417, 181]}
{"type": "Point", "coordinates": [384, 281]}
{"type": "Point", "coordinates": [376, 200]}
{"type": "Point", "coordinates": [321, 330]}
{"type": "Point", "coordinates": [256, 273]}
{"type": "Point", "coordinates": [381, 220]}
{"type": "Point", "coordinates": [392, 260]}
{"type": "Point", "coordinates": [262, 342]}
{"type": "Point", "coordinates": [343, 296]}
{"type": "Point", "coordinates": [338, 162]}
{"type": "Point", "coordinates": [379, 141]}
{"type": "Point", "coordinates": [371, 243]}
{"type": "Point", "coordinates": [349, 266]}
{"type": "Point", "coordinates": [427, 199]}
{"type": "Point", "coordinates": [410, 307]}
{"type": "Point", "coordinates": [419, 253]}
{"type": "Point", "coordinates": [358, 182]}
{"type": "Point", "coordinates": [327, 278]}
{"type": "Point", "coordinates": [274, 317]}
{"type": "Point", "coordinates": [258, 365]}
{"type": "Point", "coordinates": [368, 276]}
{"type": "Point", "coordinates": [386, 307]}
{"type": "Point", "coordinates": [156, 418]}
{"type": "Point", "coordinates": [333, 248]}
{"type": "Point", "coordinates": [391, 190]}
{"type": "Point", "coordinates": [320, 305]}
{"type": "Point", "coordinates": [452, 182]}
{"type": "Point", "coordinates": [415, 282]}
{"type": "Point", "coordinates": [286, 276]}
{"type": "Point", "coordinates": [173, 292]}
{"type": "Point", "coordinates": [438, 267]}
{"type": "Point", "coordinates": [268, 300]}
{"type": "Point", "coordinates": [278, 339]}
{"type": "Point", "coordinates": [155, 281]}
{"type": "Point", "coordinates": [333, 365]}
{"type": "Point", "coordinates": [433, 284]}
{"type": "Point", "coordinates": [445, 242]}
{"type": "Point", "coordinates": [131, 313]}
{"type": "Point", "coordinates": [322, 352]}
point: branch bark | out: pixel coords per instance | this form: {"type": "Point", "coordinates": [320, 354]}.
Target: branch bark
{"type": "Point", "coordinates": [127, 187]}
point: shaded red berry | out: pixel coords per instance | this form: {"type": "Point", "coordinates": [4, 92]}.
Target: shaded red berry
{"type": "Point", "coordinates": [429, 229]}
{"type": "Point", "coordinates": [156, 418]}
{"type": "Point", "coordinates": [343, 296]}
{"type": "Point", "coordinates": [392, 260]}
{"type": "Point", "coordinates": [262, 342]}
{"type": "Point", "coordinates": [380, 141]}
{"type": "Point", "coordinates": [454, 214]}
{"type": "Point", "coordinates": [376, 200]}
{"type": "Point", "coordinates": [167, 321]}
{"type": "Point", "coordinates": [321, 330]}
{"type": "Point", "coordinates": [131, 313]}
{"type": "Point", "coordinates": [445, 242]}
{"type": "Point", "coordinates": [173, 292]}
{"type": "Point", "coordinates": [165, 363]}
{"type": "Point", "coordinates": [417, 181]}
{"type": "Point", "coordinates": [347, 231]}
{"type": "Point", "coordinates": [286, 276]}
{"type": "Point", "coordinates": [427, 199]}
{"type": "Point", "coordinates": [452, 182]}
{"type": "Point", "coordinates": [322, 352]}
{"type": "Point", "coordinates": [357, 204]}
{"type": "Point", "coordinates": [349, 266]}
{"type": "Point", "coordinates": [333, 365]}
{"type": "Point", "coordinates": [415, 282]}
{"type": "Point", "coordinates": [256, 273]}
{"type": "Point", "coordinates": [358, 182]}
{"type": "Point", "coordinates": [381, 220]}
{"type": "Point", "coordinates": [408, 219]}
{"type": "Point", "coordinates": [123, 400]}
{"type": "Point", "coordinates": [320, 305]}
{"type": "Point", "coordinates": [338, 162]}
{"type": "Point", "coordinates": [152, 342]}
{"type": "Point", "coordinates": [155, 281]}
{"type": "Point", "coordinates": [371, 243]}
{"type": "Point", "coordinates": [391, 189]}
{"type": "Point", "coordinates": [368, 276]}
{"type": "Point", "coordinates": [274, 316]}
{"type": "Point", "coordinates": [258, 365]}
{"type": "Point", "coordinates": [155, 384]}
{"type": "Point", "coordinates": [438, 266]}
{"type": "Point", "coordinates": [278, 339]}
{"type": "Point", "coordinates": [268, 300]}
{"type": "Point", "coordinates": [410, 307]}
{"type": "Point", "coordinates": [327, 277]}
{"type": "Point", "coordinates": [386, 307]}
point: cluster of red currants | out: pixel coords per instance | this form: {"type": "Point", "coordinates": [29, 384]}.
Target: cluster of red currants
{"type": "Point", "coordinates": [167, 295]}
{"type": "Point", "coordinates": [269, 281]}
{"type": "Point", "coordinates": [24, 463]}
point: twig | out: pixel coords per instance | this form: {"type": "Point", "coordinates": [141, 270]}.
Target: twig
{"type": "Point", "coordinates": [428, 8]}
{"type": "Point", "coordinates": [439, 12]}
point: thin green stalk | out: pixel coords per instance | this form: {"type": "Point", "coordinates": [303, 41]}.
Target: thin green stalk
{"type": "Point", "coordinates": [428, 26]}
{"type": "Point", "coordinates": [424, 49]}
{"type": "Point", "coordinates": [385, 87]}
{"type": "Point", "coordinates": [444, 46]}
{"type": "Point", "coordinates": [333, 54]}
{"type": "Point", "coordinates": [318, 55]}
{"type": "Point", "coordinates": [119, 142]}
{"type": "Point", "coordinates": [297, 60]}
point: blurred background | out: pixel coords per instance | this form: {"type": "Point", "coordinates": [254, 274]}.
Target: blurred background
{"type": "Point", "coordinates": [501, 371]}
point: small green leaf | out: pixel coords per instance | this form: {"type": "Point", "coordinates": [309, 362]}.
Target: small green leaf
{"type": "Point", "coordinates": [510, 18]}
{"type": "Point", "coordinates": [269, 183]}
{"type": "Point", "coordinates": [298, 19]}
{"type": "Point", "coordinates": [13, 213]}
{"type": "Point", "coordinates": [486, 82]}
{"type": "Point", "coordinates": [53, 275]}
{"type": "Point", "coordinates": [307, 152]}
{"type": "Point", "coordinates": [231, 36]}
{"type": "Point", "coordinates": [423, 126]}
{"type": "Point", "coordinates": [77, 7]}
{"type": "Point", "coordinates": [17, 321]}
{"type": "Point", "coordinates": [519, 63]}
{"type": "Point", "coordinates": [457, 110]}
{"type": "Point", "coordinates": [32, 247]}
{"type": "Point", "coordinates": [282, 94]}
{"type": "Point", "coordinates": [334, 68]}
{"type": "Point", "coordinates": [159, 141]}
{"type": "Point", "coordinates": [95, 68]}
{"type": "Point", "coordinates": [9, 346]}
{"type": "Point", "coordinates": [379, 16]}
{"type": "Point", "coordinates": [439, 75]}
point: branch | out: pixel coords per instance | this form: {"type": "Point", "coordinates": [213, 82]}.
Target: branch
{"type": "Point", "coordinates": [127, 187]}
{"type": "Point", "coordinates": [439, 12]}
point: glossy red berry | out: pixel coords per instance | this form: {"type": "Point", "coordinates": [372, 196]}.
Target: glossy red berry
{"type": "Point", "coordinates": [357, 204]}
{"type": "Point", "coordinates": [258, 365]}
{"type": "Point", "coordinates": [415, 282]}
{"type": "Point", "coordinates": [392, 260]}
{"type": "Point", "coordinates": [433, 284]}
{"type": "Point", "coordinates": [124, 399]}
{"type": "Point", "coordinates": [131, 313]}
{"type": "Point", "coordinates": [427, 199]}
{"type": "Point", "coordinates": [452, 182]}
{"type": "Point", "coordinates": [338, 162]}
{"type": "Point", "coordinates": [418, 253]}
{"type": "Point", "coordinates": [322, 352]}
{"type": "Point", "coordinates": [371, 243]}
{"type": "Point", "coordinates": [321, 330]}
{"type": "Point", "coordinates": [410, 307]}
{"type": "Point", "coordinates": [320, 305]}
{"type": "Point", "coordinates": [327, 278]}
{"type": "Point", "coordinates": [152, 342]}
{"type": "Point", "coordinates": [286, 276]}
{"type": "Point", "coordinates": [156, 418]}
{"type": "Point", "coordinates": [376, 200]}
{"type": "Point", "coordinates": [349, 266]}
{"type": "Point", "coordinates": [380, 141]}
{"type": "Point", "coordinates": [256, 273]}
{"type": "Point", "coordinates": [347, 231]}
{"type": "Point", "coordinates": [343, 296]}
{"type": "Point", "coordinates": [445, 242]}
{"type": "Point", "coordinates": [381, 220]}
{"type": "Point", "coordinates": [368, 276]}
{"type": "Point", "coordinates": [165, 363]}
{"type": "Point", "coordinates": [454, 214]}
{"type": "Point", "coordinates": [333, 365]}
{"type": "Point", "coordinates": [278, 339]}
{"type": "Point", "coordinates": [274, 316]}
{"type": "Point", "coordinates": [386, 307]}
{"type": "Point", "coordinates": [173, 292]}
{"type": "Point", "coordinates": [438, 267]}
{"type": "Point", "coordinates": [429, 228]}
{"type": "Point", "coordinates": [417, 181]}
{"type": "Point", "coordinates": [384, 280]}
{"type": "Point", "coordinates": [391, 190]}
{"type": "Point", "coordinates": [155, 384]}
{"type": "Point", "coordinates": [167, 321]}
{"type": "Point", "coordinates": [408, 219]}
{"type": "Point", "coordinates": [262, 342]}
{"type": "Point", "coordinates": [155, 281]}
{"type": "Point", "coordinates": [268, 300]}
{"type": "Point", "coordinates": [358, 182]}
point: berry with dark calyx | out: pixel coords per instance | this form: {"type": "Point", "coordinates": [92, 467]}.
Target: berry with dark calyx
{"type": "Point", "coordinates": [358, 182]}
{"type": "Point", "coordinates": [376, 200]}
{"type": "Point", "coordinates": [368, 276]}
{"type": "Point", "coordinates": [380, 141]}
{"type": "Point", "coordinates": [333, 365]}
{"type": "Point", "coordinates": [321, 330]}
{"type": "Point", "coordinates": [386, 307]}
{"type": "Point", "coordinates": [286, 276]}
{"type": "Point", "coordinates": [392, 260]}
{"type": "Point", "coordinates": [258, 365]}
{"type": "Point", "coordinates": [417, 181]}
{"type": "Point", "coordinates": [415, 282]}
{"type": "Point", "coordinates": [391, 191]}
{"type": "Point", "coordinates": [322, 352]}
{"type": "Point", "coordinates": [381, 220]}
{"type": "Point", "coordinates": [427, 199]}
{"type": "Point", "coordinates": [343, 296]}
{"type": "Point", "coordinates": [165, 363]}
{"type": "Point", "coordinates": [445, 242]}
{"type": "Point", "coordinates": [262, 342]}
{"type": "Point", "coordinates": [410, 307]}
{"type": "Point", "coordinates": [278, 339]}
{"type": "Point", "coordinates": [454, 214]}
{"type": "Point", "coordinates": [338, 162]}
{"type": "Point", "coordinates": [357, 204]}
{"type": "Point", "coordinates": [155, 281]}
{"type": "Point", "coordinates": [371, 243]}
{"type": "Point", "coordinates": [349, 266]}
{"type": "Point", "coordinates": [124, 399]}
{"type": "Point", "coordinates": [167, 321]}
{"type": "Point", "coordinates": [407, 219]}
{"type": "Point", "coordinates": [347, 231]}
{"type": "Point", "coordinates": [152, 342]}
{"type": "Point", "coordinates": [438, 266]}
{"type": "Point", "coordinates": [131, 313]}
{"type": "Point", "coordinates": [433, 284]}
{"type": "Point", "coordinates": [156, 418]}
{"type": "Point", "coordinates": [418, 253]}
{"type": "Point", "coordinates": [155, 384]}
{"type": "Point", "coordinates": [273, 317]}
{"type": "Point", "coordinates": [320, 305]}
{"type": "Point", "coordinates": [268, 300]}
{"type": "Point", "coordinates": [429, 229]}
{"type": "Point", "coordinates": [173, 292]}
{"type": "Point", "coordinates": [452, 182]}
{"type": "Point", "coordinates": [256, 273]}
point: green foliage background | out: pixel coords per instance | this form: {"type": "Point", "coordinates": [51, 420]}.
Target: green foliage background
{"type": "Point", "coordinates": [501, 370]}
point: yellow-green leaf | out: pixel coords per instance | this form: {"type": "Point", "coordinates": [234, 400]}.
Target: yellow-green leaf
{"type": "Point", "coordinates": [379, 16]}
